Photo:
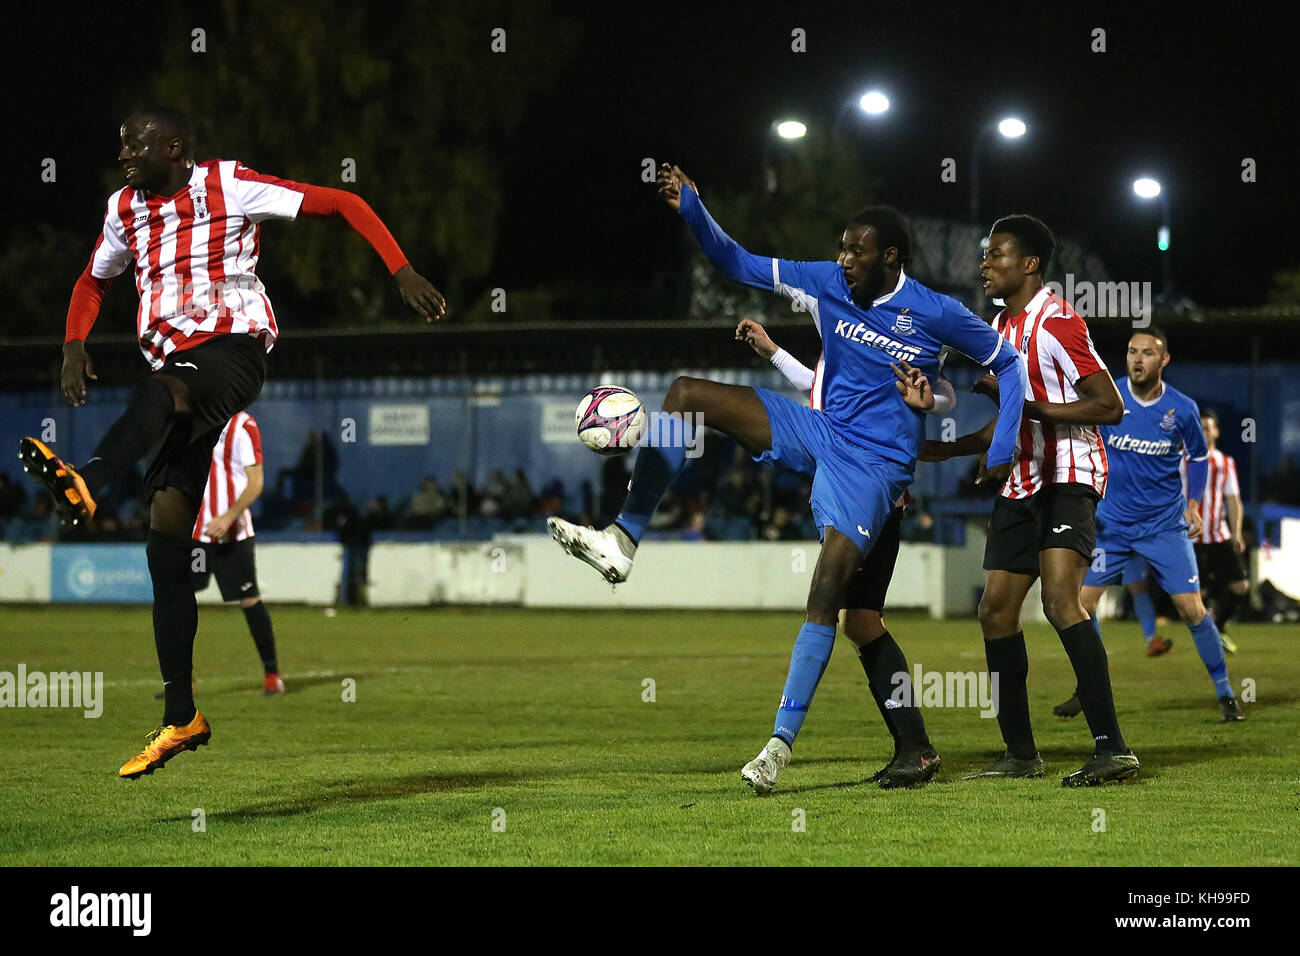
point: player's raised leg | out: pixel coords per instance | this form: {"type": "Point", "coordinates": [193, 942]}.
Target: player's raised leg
{"type": "Point", "coordinates": [670, 436]}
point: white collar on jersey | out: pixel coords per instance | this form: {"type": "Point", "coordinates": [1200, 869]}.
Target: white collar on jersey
{"type": "Point", "coordinates": [1128, 384]}
{"type": "Point", "coordinates": [902, 277]}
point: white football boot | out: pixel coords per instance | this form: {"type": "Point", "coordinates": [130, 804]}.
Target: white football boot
{"type": "Point", "coordinates": [607, 550]}
{"type": "Point", "coordinates": [761, 772]}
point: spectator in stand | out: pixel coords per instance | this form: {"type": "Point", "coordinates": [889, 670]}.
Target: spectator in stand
{"type": "Point", "coordinates": [12, 498]}
{"type": "Point", "coordinates": [464, 499]}
{"type": "Point", "coordinates": [302, 488]}
{"type": "Point", "coordinates": [1283, 486]}
{"type": "Point", "coordinates": [494, 493]}
{"type": "Point", "coordinates": [428, 504]}
{"type": "Point", "coordinates": [781, 526]}
{"type": "Point", "coordinates": [379, 516]}
{"type": "Point", "coordinates": [519, 500]}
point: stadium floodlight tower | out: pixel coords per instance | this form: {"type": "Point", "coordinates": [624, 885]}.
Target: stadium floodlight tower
{"type": "Point", "coordinates": [1009, 127]}
{"type": "Point", "coordinates": [873, 103]}
{"type": "Point", "coordinates": [1147, 188]}
{"type": "Point", "coordinates": [788, 131]}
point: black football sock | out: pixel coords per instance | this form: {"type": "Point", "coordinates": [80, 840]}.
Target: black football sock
{"type": "Point", "coordinates": [259, 625]}
{"type": "Point", "coordinates": [1228, 603]}
{"type": "Point", "coordinates": [885, 713]}
{"type": "Point", "coordinates": [1008, 659]}
{"type": "Point", "coordinates": [175, 621]}
{"type": "Point", "coordinates": [882, 659]}
{"type": "Point", "coordinates": [131, 436]}
{"type": "Point", "coordinates": [1088, 657]}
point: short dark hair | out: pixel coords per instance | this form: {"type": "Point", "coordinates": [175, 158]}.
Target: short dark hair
{"type": "Point", "coordinates": [1156, 333]}
{"type": "Point", "coordinates": [1210, 413]}
{"type": "Point", "coordinates": [891, 229]}
{"type": "Point", "coordinates": [175, 123]}
{"type": "Point", "coordinates": [1032, 236]}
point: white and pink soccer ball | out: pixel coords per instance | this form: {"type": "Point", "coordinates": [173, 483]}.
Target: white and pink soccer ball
{"type": "Point", "coordinates": [611, 420]}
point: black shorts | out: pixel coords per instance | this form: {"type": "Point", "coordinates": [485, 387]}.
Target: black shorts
{"type": "Point", "coordinates": [1219, 564]}
{"type": "Point", "coordinates": [1056, 516]}
{"type": "Point", "coordinates": [233, 564]}
{"type": "Point", "coordinates": [225, 375]}
{"type": "Point", "coordinates": [867, 587]}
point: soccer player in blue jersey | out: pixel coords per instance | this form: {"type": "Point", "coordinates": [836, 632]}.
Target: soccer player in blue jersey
{"type": "Point", "coordinates": [859, 442]}
{"type": "Point", "coordinates": [1144, 515]}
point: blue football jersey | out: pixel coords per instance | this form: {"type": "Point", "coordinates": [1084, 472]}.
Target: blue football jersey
{"type": "Point", "coordinates": [913, 323]}
{"type": "Point", "coordinates": [1144, 493]}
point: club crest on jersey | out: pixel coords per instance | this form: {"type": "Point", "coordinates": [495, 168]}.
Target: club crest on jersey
{"type": "Point", "coordinates": [1168, 423]}
{"type": "Point", "coordinates": [902, 324]}
{"type": "Point", "coordinates": [1024, 343]}
{"type": "Point", "coordinates": [200, 205]}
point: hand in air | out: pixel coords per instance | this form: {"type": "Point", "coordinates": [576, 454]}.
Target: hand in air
{"type": "Point", "coordinates": [754, 335]}
{"type": "Point", "coordinates": [419, 294]}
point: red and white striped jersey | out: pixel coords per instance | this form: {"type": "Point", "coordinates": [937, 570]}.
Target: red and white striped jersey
{"type": "Point", "coordinates": [1057, 349]}
{"type": "Point", "coordinates": [1220, 485]}
{"type": "Point", "coordinates": [239, 446]}
{"type": "Point", "coordinates": [195, 255]}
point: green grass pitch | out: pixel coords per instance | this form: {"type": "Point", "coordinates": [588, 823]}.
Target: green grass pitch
{"type": "Point", "coordinates": [536, 720]}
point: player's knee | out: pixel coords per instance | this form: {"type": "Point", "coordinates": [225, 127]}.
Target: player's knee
{"type": "Point", "coordinates": [1192, 610]}
{"type": "Point", "coordinates": [862, 626]}
{"type": "Point", "coordinates": [172, 513]}
{"type": "Point", "coordinates": [246, 603]}
{"type": "Point", "coordinates": [825, 598]}
{"type": "Point", "coordinates": [1061, 607]}
{"type": "Point", "coordinates": [1239, 587]}
{"type": "Point", "coordinates": [680, 394]}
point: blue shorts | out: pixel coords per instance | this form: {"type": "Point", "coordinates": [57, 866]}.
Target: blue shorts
{"type": "Point", "coordinates": [1169, 553]}
{"type": "Point", "coordinates": [853, 489]}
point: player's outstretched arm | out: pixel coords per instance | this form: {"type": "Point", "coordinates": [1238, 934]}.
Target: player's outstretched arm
{"type": "Point", "coordinates": [726, 255]}
{"type": "Point", "coordinates": [416, 291]}
{"type": "Point", "coordinates": [1011, 375]}
{"type": "Point", "coordinates": [1098, 404]}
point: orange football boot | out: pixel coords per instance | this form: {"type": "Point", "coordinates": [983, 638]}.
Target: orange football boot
{"type": "Point", "coordinates": [72, 498]}
{"type": "Point", "coordinates": [1157, 646]}
{"type": "Point", "coordinates": [166, 742]}
{"type": "Point", "coordinates": [272, 686]}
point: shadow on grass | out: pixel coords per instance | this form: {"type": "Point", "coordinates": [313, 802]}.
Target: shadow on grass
{"type": "Point", "coordinates": [351, 791]}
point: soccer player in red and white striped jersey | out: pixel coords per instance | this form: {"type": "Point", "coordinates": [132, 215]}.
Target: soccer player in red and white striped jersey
{"type": "Point", "coordinates": [225, 530]}
{"type": "Point", "coordinates": [1044, 521]}
{"type": "Point", "coordinates": [1220, 544]}
{"type": "Point", "coordinates": [205, 324]}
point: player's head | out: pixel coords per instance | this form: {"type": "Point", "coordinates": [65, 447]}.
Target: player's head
{"type": "Point", "coordinates": [1019, 251]}
{"type": "Point", "coordinates": [154, 142]}
{"type": "Point", "coordinates": [875, 245]}
{"type": "Point", "coordinates": [1148, 354]}
{"type": "Point", "coordinates": [1210, 425]}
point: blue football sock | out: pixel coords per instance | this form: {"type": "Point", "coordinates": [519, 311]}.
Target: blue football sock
{"type": "Point", "coordinates": [812, 651]}
{"type": "Point", "coordinates": [1145, 609]}
{"type": "Point", "coordinates": [1210, 647]}
{"type": "Point", "coordinates": [658, 462]}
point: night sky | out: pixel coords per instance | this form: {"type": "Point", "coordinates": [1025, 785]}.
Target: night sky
{"type": "Point", "coordinates": [1184, 97]}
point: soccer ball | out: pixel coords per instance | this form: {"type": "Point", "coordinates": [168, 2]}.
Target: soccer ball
{"type": "Point", "coordinates": [610, 419]}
